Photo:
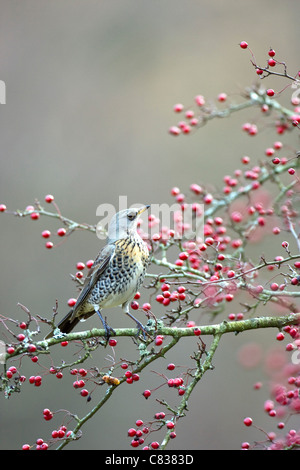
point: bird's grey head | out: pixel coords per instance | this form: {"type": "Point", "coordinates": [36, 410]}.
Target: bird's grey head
{"type": "Point", "coordinates": [124, 223]}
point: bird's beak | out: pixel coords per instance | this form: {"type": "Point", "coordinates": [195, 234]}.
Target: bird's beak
{"type": "Point", "coordinates": [143, 209]}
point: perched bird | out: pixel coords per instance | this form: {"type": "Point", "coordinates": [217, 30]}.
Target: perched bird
{"type": "Point", "coordinates": [116, 275]}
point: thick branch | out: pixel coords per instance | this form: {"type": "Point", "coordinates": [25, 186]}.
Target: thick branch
{"type": "Point", "coordinates": [219, 328]}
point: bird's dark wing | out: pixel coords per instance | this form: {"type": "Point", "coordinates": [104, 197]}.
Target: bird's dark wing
{"type": "Point", "coordinates": [93, 276]}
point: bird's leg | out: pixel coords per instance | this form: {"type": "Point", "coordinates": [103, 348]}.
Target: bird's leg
{"type": "Point", "coordinates": [108, 330]}
{"type": "Point", "coordinates": [140, 327]}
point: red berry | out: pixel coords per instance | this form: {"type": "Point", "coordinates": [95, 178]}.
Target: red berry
{"type": "Point", "coordinates": [271, 52]}
{"type": "Point", "coordinates": [78, 383]}
{"type": "Point", "coordinates": [222, 97]}
{"type": "Point", "coordinates": [71, 302]}
{"type": "Point", "coordinates": [64, 344]}
{"type": "Point", "coordinates": [84, 392]}
{"type": "Point", "coordinates": [196, 188]}
{"type": "Point", "coordinates": [230, 274]}
{"type": "Point", "coordinates": [197, 332]}
{"type": "Point", "coordinates": [208, 198]}
{"type": "Point", "coordinates": [280, 337]}
{"type": "Point", "coordinates": [131, 432]}
{"type": "Point", "coordinates": [270, 92]}
{"type": "Point", "coordinates": [49, 245]}
{"type": "Point", "coordinates": [147, 393]}
{"type": "Point", "coordinates": [2, 207]}
{"type": "Point", "coordinates": [274, 286]}
{"type": "Point", "coordinates": [243, 45]}
{"type": "Point", "coordinates": [48, 416]}
{"type": "Point", "coordinates": [154, 445]}
{"type": "Point", "coordinates": [37, 380]}
{"type": "Point", "coordinates": [174, 130]}
{"type": "Point", "coordinates": [35, 216]}
{"type": "Point", "coordinates": [247, 421]}
{"type": "Point", "coordinates": [171, 382]}
{"type": "Point", "coordinates": [165, 287]}
{"type": "Point", "coordinates": [171, 366]}
{"type": "Point", "coordinates": [178, 108]}
{"type": "Point", "coordinates": [159, 340]}
{"type": "Point", "coordinates": [245, 160]}
{"type": "Point", "coordinates": [135, 443]}
{"type": "Point", "coordinates": [61, 432]}
{"type": "Point", "coordinates": [269, 152]}
{"type": "Point", "coordinates": [10, 350]}
{"type": "Point", "coordinates": [61, 232]}
{"type": "Point", "coordinates": [112, 342]}
{"type": "Point", "coordinates": [229, 297]}
{"type": "Point", "coordinates": [134, 305]}
{"type": "Point", "coordinates": [170, 424]}
{"type": "Point", "coordinates": [146, 307]}
{"type": "Point", "coordinates": [46, 234]}
{"type": "Point", "coordinates": [80, 266]}
{"type": "Point", "coordinates": [272, 62]}
{"type": "Point", "coordinates": [245, 445]}
{"type": "Point", "coordinates": [199, 99]}
{"type": "Point", "coordinates": [49, 198]}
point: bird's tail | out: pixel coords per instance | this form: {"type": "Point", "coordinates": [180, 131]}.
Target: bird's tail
{"type": "Point", "coordinates": [66, 325]}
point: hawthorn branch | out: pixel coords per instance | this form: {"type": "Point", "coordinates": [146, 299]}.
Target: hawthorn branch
{"type": "Point", "coordinates": [177, 333]}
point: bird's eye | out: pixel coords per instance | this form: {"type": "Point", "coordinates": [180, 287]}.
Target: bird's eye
{"type": "Point", "coordinates": [131, 216]}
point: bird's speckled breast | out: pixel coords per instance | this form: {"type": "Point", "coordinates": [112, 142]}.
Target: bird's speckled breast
{"type": "Point", "coordinates": [123, 276]}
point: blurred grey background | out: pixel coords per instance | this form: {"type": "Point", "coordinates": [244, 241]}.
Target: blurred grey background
{"type": "Point", "coordinates": [90, 91]}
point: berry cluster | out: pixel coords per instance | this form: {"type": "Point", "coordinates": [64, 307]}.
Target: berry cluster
{"type": "Point", "coordinates": [209, 264]}
{"type": "Point", "coordinates": [193, 118]}
{"type": "Point", "coordinates": [142, 430]}
{"type": "Point", "coordinates": [57, 436]}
